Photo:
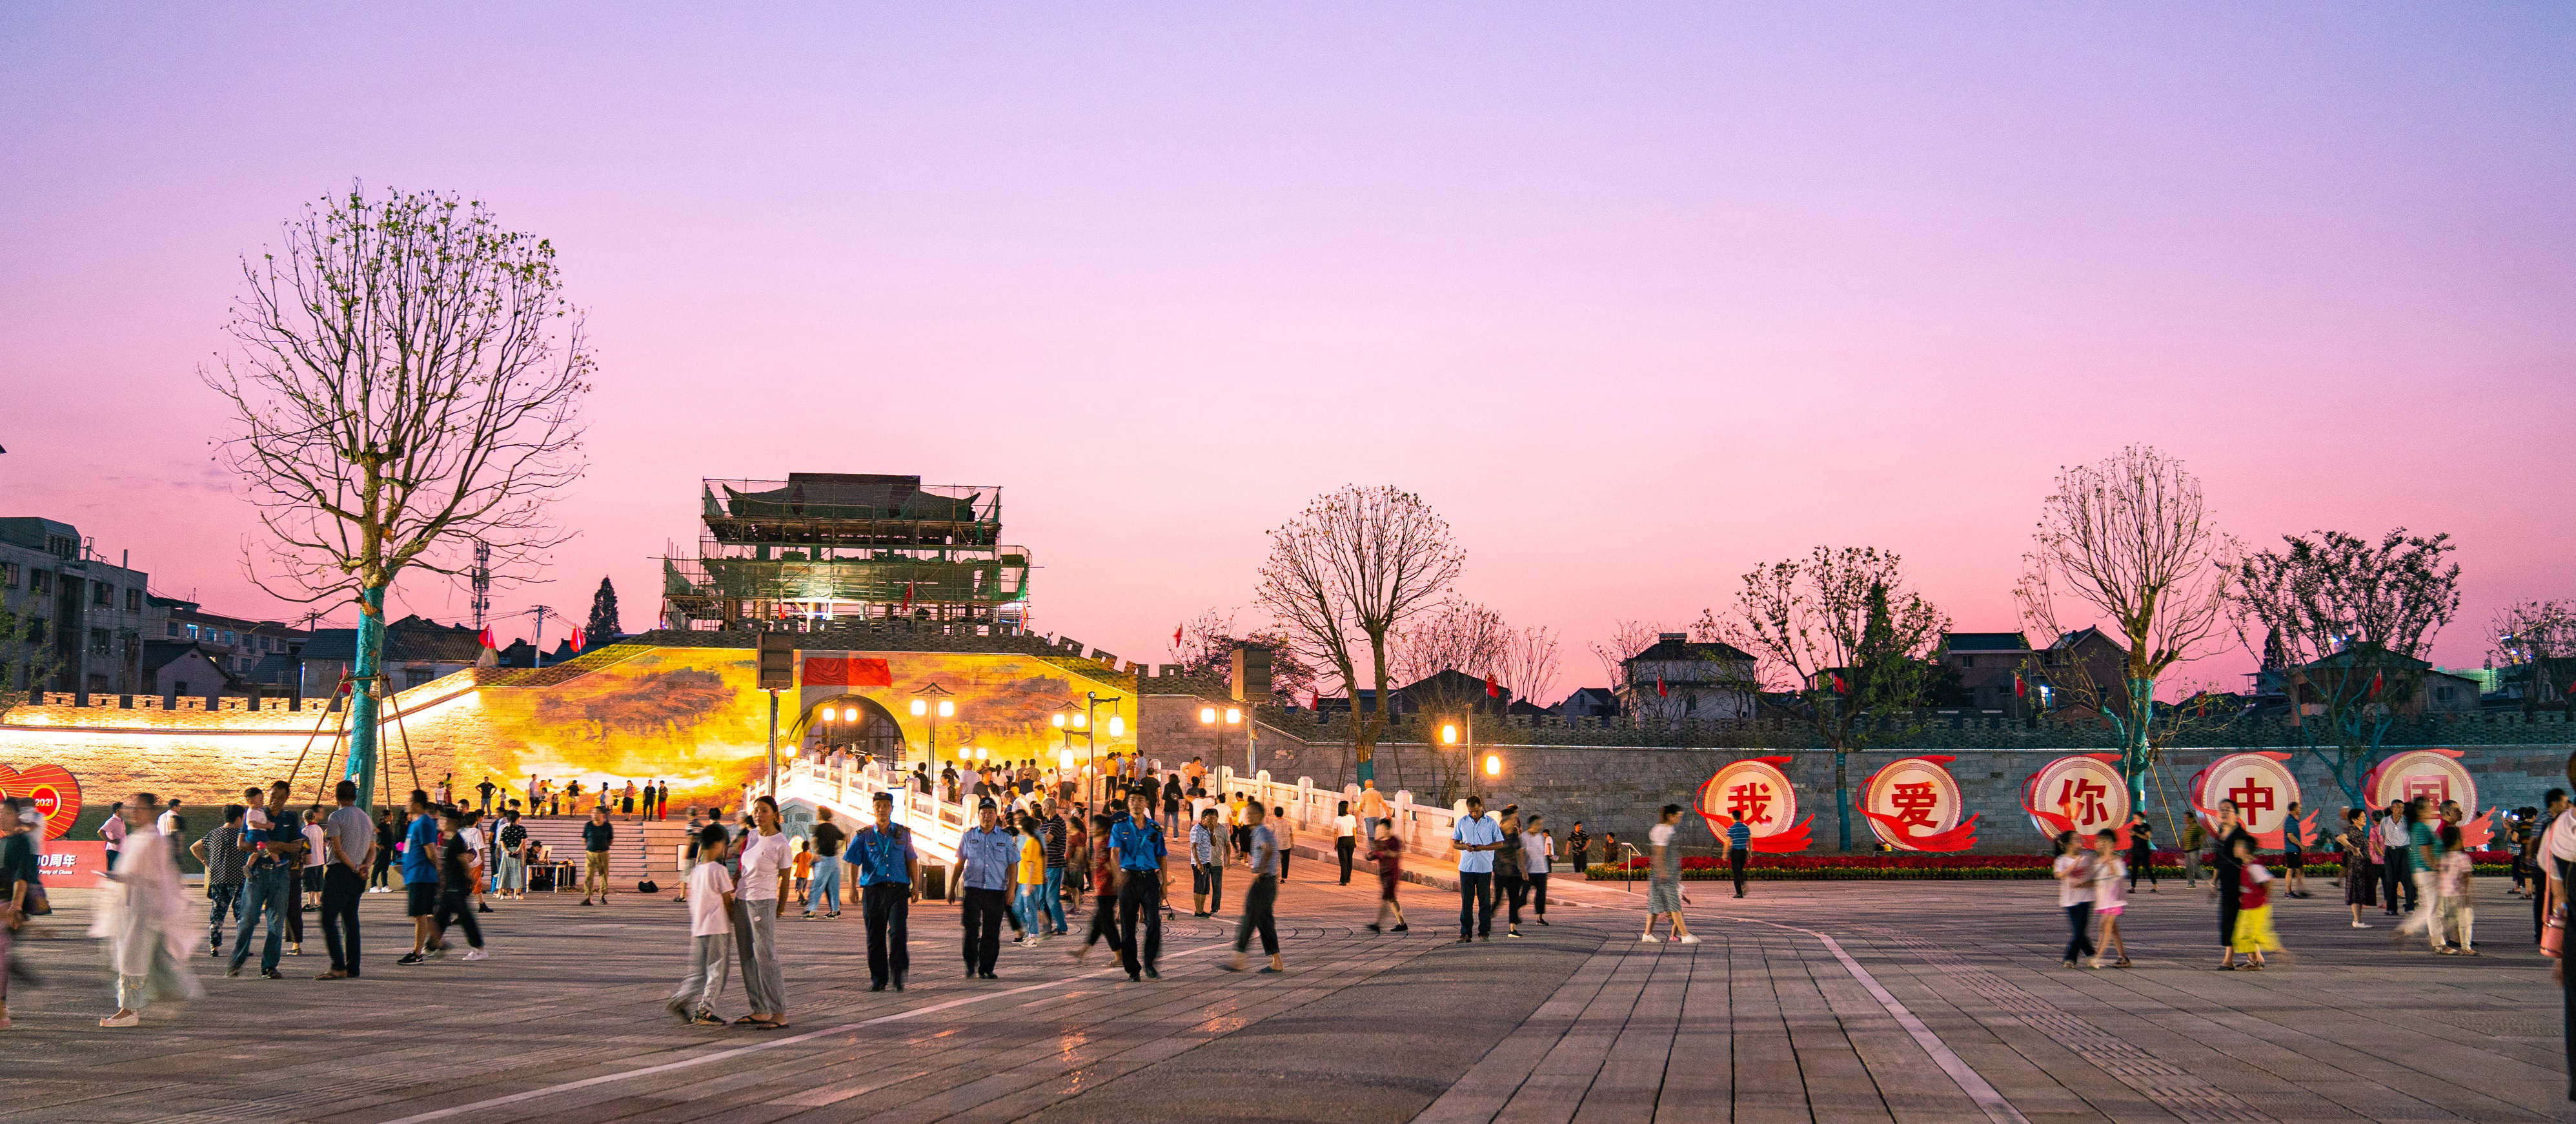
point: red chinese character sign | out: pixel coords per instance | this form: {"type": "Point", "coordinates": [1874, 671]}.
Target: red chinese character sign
{"type": "Point", "coordinates": [2263, 789]}
{"type": "Point", "coordinates": [2083, 794]}
{"type": "Point", "coordinates": [1915, 805]}
{"type": "Point", "coordinates": [56, 793]}
{"type": "Point", "coordinates": [1757, 792]}
{"type": "Point", "coordinates": [2435, 773]}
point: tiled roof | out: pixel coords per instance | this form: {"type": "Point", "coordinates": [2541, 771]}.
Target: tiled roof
{"type": "Point", "coordinates": [1674, 650]}
{"type": "Point", "coordinates": [1985, 641]}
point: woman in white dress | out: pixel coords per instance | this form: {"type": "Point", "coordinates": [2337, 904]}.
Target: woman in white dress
{"type": "Point", "coordinates": [144, 915]}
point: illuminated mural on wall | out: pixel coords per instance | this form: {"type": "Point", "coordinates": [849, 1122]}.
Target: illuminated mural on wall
{"type": "Point", "coordinates": [691, 717]}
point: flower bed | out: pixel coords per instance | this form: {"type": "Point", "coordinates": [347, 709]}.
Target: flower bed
{"type": "Point", "coordinates": [1916, 865]}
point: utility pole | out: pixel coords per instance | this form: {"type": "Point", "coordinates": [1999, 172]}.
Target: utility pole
{"type": "Point", "coordinates": [539, 644]}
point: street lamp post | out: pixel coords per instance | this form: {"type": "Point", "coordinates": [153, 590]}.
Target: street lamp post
{"type": "Point", "coordinates": [1462, 734]}
{"type": "Point", "coordinates": [1091, 701]}
{"type": "Point", "coordinates": [922, 705]}
{"type": "Point", "coordinates": [1216, 724]}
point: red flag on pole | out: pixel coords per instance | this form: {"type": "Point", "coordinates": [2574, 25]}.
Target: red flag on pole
{"type": "Point", "coordinates": [1176, 636]}
{"type": "Point", "coordinates": [578, 641]}
{"type": "Point", "coordinates": [907, 597]}
{"type": "Point", "coordinates": [486, 639]}
{"type": "Point", "coordinates": [1314, 700]}
{"type": "Point", "coordinates": [2378, 680]}
{"type": "Point", "coordinates": [2021, 688]}
{"type": "Point", "coordinates": [1661, 691]}
{"type": "Point", "coordinates": [1840, 687]}
{"type": "Point", "coordinates": [1493, 688]}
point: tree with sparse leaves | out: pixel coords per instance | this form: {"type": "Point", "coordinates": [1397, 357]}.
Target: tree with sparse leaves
{"type": "Point", "coordinates": [2129, 541]}
{"type": "Point", "coordinates": [2354, 619]}
{"type": "Point", "coordinates": [405, 387]}
{"type": "Point", "coordinates": [1840, 631]}
{"type": "Point", "coordinates": [26, 659]}
{"type": "Point", "coordinates": [2537, 639]}
{"type": "Point", "coordinates": [1209, 641]}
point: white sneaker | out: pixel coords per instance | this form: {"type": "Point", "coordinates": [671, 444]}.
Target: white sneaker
{"type": "Point", "coordinates": [2360, 924]}
{"type": "Point", "coordinates": [1690, 938]}
{"type": "Point", "coordinates": [473, 954]}
{"type": "Point", "coordinates": [127, 1019]}
{"type": "Point", "coordinates": [1647, 938]}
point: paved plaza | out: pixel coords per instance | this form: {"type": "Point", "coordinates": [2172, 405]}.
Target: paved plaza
{"type": "Point", "coordinates": [1918, 1001]}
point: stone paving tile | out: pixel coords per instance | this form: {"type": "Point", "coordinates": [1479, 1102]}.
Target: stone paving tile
{"type": "Point", "coordinates": [1579, 1023]}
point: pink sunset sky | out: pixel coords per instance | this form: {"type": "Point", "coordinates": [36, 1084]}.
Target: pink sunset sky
{"type": "Point", "coordinates": [1638, 296]}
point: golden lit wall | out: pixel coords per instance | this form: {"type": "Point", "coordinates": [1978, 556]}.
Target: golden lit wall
{"type": "Point", "coordinates": [689, 716]}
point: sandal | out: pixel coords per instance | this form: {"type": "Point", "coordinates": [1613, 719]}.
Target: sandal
{"type": "Point", "coordinates": [706, 1019]}
{"type": "Point", "coordinates": [768, 1025]}
{"type": "Point", "coordinates": [749, 1020]}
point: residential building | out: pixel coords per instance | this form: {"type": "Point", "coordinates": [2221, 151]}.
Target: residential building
{"type": "Point", "coordinates": [1588, 702]}
{"type": "Point", "coordinates": [2434, 692]}
{"type": "Point", "coordinates": [416, 651]}
{"type": "Point", "coordinates": [1989, 664]}
{"type": "Point", "coordinates": [253, 651]}
{"type": "Point", "coordinates": [1676, 678]}
{"type": "Point", "coordinates": [184, 669]}
{"type": "Point", "coordinates": [92, 612]}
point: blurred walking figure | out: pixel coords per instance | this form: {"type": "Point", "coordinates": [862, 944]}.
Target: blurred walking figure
{"type": "Point", "coordinates": [1387, 853]}
{"type": "Point", "coordinates": [2142, 852]}
{"type": "Point", "coordinates": [2075, 869]}
{"type": "Point", "coordinates": [2109, 899]}
{"type": "Point", "coordinates": [1261, 896]}
{"type": "Point", "coordinates": [143, 914]}
{"type": "Point", "coordinates": [1664, 879]}
{"type": "Point", "coordinates": [2254, 935]}
{"type": "Point", "coordinates": [2458, 878]}
{"type": "Point", "coordinates": [2228, 880]}
{"type": "Point", "coordinates": [2420, 854]}
{"type": "Point", "coordinates": [1511, 880]}
{"type": "Point", "coordinates": [1537, 850]}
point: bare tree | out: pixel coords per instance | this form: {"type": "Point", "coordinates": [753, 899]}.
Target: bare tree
{"type": "Point", "coordinates": [1840, 631]}
{"type": "Point", "coordinates": [405, 386]}
{"type": "Point", "coordinates": [1528, 665]}
{"type": "Point", "coordinates": [2538, 636]}
{"type": "Point", "coordinates": [1457, 636]}
{"type": "Point", "coordinates": [1207, 647]}
{"type": "Point", "coordinates": [1344, 574]}
{"type": "Point", "coordinates": [2128, 540]}
{"type": "Point", "coordinates": [1627, 638]}
{"type": "Point", "coordinates": [2352, 619]}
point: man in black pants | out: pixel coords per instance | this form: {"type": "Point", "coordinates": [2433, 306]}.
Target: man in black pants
{"type": "Point", "coordinates": [889, 869]}
{"type": "Point", "coordinates": [2392, 872]}
{"type": "Point", "coordinates": [349, 843]}
{"type": "Point", "coordinates": [988, 855]}
{"type": "Point", "coordinates": [1136, 847]}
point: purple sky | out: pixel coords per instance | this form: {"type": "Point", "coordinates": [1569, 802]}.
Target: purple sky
{"type": "Point", "coordinates": [1637, 297]}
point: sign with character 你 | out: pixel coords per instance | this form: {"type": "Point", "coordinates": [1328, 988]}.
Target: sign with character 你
{"type": "Point", "coordinates": [2083, 794]}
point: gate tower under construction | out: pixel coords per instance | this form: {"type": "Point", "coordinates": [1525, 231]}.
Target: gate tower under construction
{"type": "Point", "coordinates": [823, 547]}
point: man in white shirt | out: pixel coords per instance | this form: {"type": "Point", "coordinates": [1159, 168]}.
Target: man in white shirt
{"type": "Point", "coordinates": [2393, 841]}
{"type": "Point", "coordinates": [1477, 837]}
{"type": "Point", "coordinates": [169, 821]}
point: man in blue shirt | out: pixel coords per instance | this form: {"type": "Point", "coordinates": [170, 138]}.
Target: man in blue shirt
{"type": "Point", "coordinates": [988, 855]}
{"type": "Point", "coordinates": [1477, 838]}
{"type": "Point", "coordinates": [420, 879]}
{"type": "Point", "coordinates": [888, 870]}
{"type": "Point", "coordinates": [269, 881]}
{"type": "Point", "coordinates": [1136, 846]}
{"type": "Point", "coordinates": [1739, 850]}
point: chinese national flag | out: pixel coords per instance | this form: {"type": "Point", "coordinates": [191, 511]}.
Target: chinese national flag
{"type": "Point", "coordinates": [2378, 680]}
{"type": "Point", "coordinates": [1661, 691]}
{"type": "Point", "coordinates": [1176, 635]}
{"type": "Point", "coordinates": [847, 671]}
{"type": "Point", "coordinates": [1493, 688]}
{"type": "Point", "coordinates": [1840, 687]}
{"type": "Point", "coordinates": [907, 597]}
{"type": "Point", "coordinates": [579, 641]}
{"type": "Point", "coordinates": [2021, 688]}
{"type": "Point", "coordinates": [486, 639]}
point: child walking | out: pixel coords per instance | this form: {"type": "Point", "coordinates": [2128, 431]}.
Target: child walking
{"type": "Point", "coordinates": [2459, 910]}
{"type": "Point", "coordinates": [2075, 870]}
{"type": "Point", "coordinates": [2109, 898]}
{"type": "Point", "coordinates": [2254, 935]}
{"type": "Point", "coordinates": [710, 931]}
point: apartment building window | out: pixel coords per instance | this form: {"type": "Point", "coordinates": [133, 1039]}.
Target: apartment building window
{"type": "Point", "coordinates": [98, 642]}
{"type": "Point", "coordinates": [102, 595]}
{"type": "Point", "coordinates": [8, 575]}
{"type": "Point", "coordinates": [415, 676]}
{"type": "Point", "coordinates": [40, 581]}
{"type": "Point", "coordinates": [134, 601]}
{"type": "Point", "coordinates": [61, 546]}
{"type": "Point", "coordinates": [172, 626]}
{"type": "Point", "coordinates": [192, 632]}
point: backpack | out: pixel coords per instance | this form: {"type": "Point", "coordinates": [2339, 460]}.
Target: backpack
{"type": "Point", "coordinates": [647, 886]}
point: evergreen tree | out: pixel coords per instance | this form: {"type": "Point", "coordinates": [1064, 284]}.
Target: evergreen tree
{"type": "Point", "coordinates": [603, 615]}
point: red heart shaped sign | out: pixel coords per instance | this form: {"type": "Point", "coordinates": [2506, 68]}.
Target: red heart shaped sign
{"type": "Point", "coordinates": [56, 792]}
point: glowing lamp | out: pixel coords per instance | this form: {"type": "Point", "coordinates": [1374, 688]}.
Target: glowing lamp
{"type": "Point", "coordinates": [1233, 716]}
{"type": "Point", "coordinates": [920, 707]}
{"type": "Point", "coordinates": [1059, 721]}
{"type": "Point", "coordinates": [1082, 721]}
{"type": "Point", "coordinates": [1493, 764]}
{"type": "Point", "coordinates": [1207, 714]}
{"type": "Point", "coordinates": [1117, 725]}
{"type": "Point", "coordinates": [1448, 733]}
{"type": "Point", "coordinates": [947, 708]}
{"type": "Point", "coordinates": [828, 714]}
